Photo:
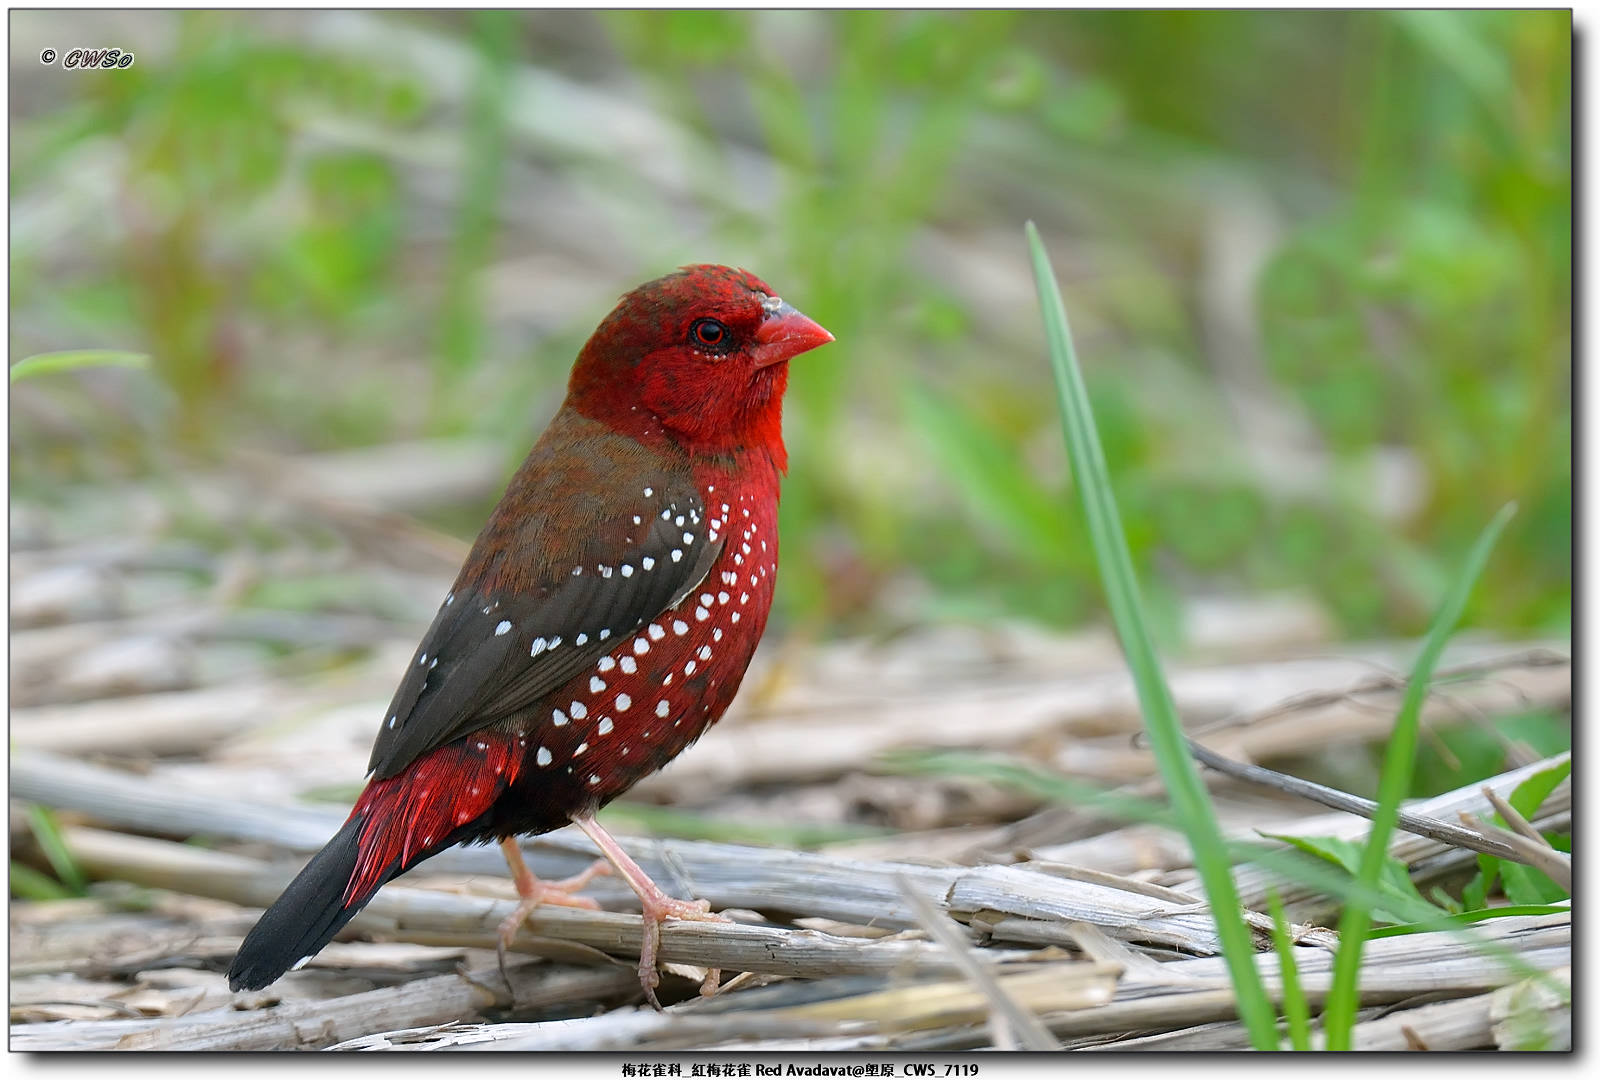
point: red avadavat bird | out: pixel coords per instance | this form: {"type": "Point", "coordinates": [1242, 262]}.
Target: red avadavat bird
{"type": "Point", "coordinates": [601, 623]}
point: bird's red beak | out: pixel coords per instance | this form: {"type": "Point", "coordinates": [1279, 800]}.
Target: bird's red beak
{"type": "Point", "coordinates": [785, 333]}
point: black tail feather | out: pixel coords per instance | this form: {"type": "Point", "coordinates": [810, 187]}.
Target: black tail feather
{"type": "Point", "coordinates": [305, 918]}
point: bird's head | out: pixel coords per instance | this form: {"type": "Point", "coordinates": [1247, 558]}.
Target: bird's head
{"type": "Point", "coordinates": [702, 353]}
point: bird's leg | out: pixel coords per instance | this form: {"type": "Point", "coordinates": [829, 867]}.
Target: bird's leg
{"type": "Point", "coordinates": [535, 892]}
{"type": "Point", "coordinates": [658, 908]}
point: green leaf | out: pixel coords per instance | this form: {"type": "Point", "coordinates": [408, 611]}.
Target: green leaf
{"type": "Point", "coordinates": [1344, 995]}
{"type": "Point", "coordinates": [1408, 905]}
{"type": "Point", "coordinates": [1182, 779]}
{"type": "Point", "coordinates": [28, 884]}
{"type": "Point", "coordinates": [1464, 918]}
{"type": "Point", "coordinates": [1475, 894]}
{"type": "Point", "coordinates": [1525, 885]}
{"type": "Point", "coordinates": [1532, 792]}
{"type": "Point", "coordinates": [54, 363]}
{"type": "Point", "coordinates": [47, 831]}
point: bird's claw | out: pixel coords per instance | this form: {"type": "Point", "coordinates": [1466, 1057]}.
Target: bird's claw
{"type": "Point", "coordinates": [657, 910]}
{"type": "Point", "coordinates": [534, 893]}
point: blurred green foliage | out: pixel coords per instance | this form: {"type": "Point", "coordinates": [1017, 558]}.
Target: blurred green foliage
{"type": "Point", "coordinates": [306, 232]}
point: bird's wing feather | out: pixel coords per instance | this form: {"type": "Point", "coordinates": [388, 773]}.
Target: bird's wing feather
{"type": "Point", "coordinates": [493, 651]}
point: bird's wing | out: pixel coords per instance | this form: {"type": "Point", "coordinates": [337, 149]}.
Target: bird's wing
{"type": "Point", "coordinates": [494, 649]}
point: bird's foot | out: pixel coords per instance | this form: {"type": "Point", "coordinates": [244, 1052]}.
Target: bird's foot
{"type": "Point", "coordinates": [658, 908]}
{"type": "Point", "coordinates": [535, 892]}
{"type": "Point", "coordinates": [559, 893]}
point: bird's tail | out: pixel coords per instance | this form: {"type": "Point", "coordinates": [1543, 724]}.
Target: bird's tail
{"type": "Point", "coordinates": [442, 799]}
{"type": "Point", "coordinates": [304, 919]}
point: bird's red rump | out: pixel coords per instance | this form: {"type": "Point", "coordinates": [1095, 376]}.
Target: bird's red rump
{"type": "Point", "coordinates": [407, 815]}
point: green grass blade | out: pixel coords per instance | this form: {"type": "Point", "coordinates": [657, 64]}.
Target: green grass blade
{"type": "Point", "coordinates": [1291, 864]}
{"type": "Point", "coordinates": [53, 363]}
{"type": "Point", "coordinates": [1188, 795]}
{"type": "Point", "coordinates": [1295, 1007]}
{"type": "Point", "coordinates": [29, 884]}
{"type": "Point", "coordinates": [1344, 994]}
{"type": "Point", "coordinates": [47, 832]}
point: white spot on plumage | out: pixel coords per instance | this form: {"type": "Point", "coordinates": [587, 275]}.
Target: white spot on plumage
{"type": "Point", "coordinates": [722, 597]}
{"type": "Point", "coordinates": [680, 627]}
{"type": "Point", "coordinates": [558, 718]}
{"type": "Point", "coordinates": [605, 725]}
{"type": "Point", "coordinates": [627, 570]}
{"type": "Point", "coordinates": [597, 685]}
{"type": "Point", "coordinates": [677, 554]}
{"type": "Point", "coordinates": [605, 634]}
{"type": "Point", "coordinates": [705, 652]}
{"type": "Point", "coordinates": [662, 708]}
{"type": "Point", "coordinates": [701, 614]}
{"type": "Point", "coordinates": [502, 628]}
{"type": "Point", "coordinates": [716, 635]}
{"type": "Point", "coordinates": [649, 492]}
{"type": "Point", "coordinates": [738, 560]}
{"type": "Point", "coordinates": [543, 757]}
{"type": "Point", "coordinates": [581, 748]}
{"type": "Point", "coordinates": [577, 570]}
{"type": "Point", "coordinates": [648, 563]}
{"type": "Point", "coordinates": [655, 632]}
{"type": "Point", "coordinates": [624, 702]}
{"type": "Point", "coordinates": [688, 669]}
{"type": "Point", "coordinates": [637, 520]}
{"type": "Point", "coordinates": [593, 779]}
{"type": "Point", "coordinates": [678, 521]}
{"type": "Point", "coordinates": [641, 646]}
{"type": "Point", "coordinates": [578, 710]}
{"type": "Point", "coordinates": [539, 646]}
{"type": "Point", "coordinates": [735, 616]}
{"type": "Point", "coordinates": [483, 745]}
{"type": "Point", "coordinates": [606, 663]}
{"type": "Point", "coordinates": [629, 665]}
{"type": "Point", "coordinates": [605, 571]}
{"type": "Point", "coordinates": [705, 599]}
{"type": "Point", "coordinates": [688, 538]}
{"type": "Point", "coordinates": [555, 641]}
{"type": "Point", "coordinates": [667, 679]}
{"type": "Point", "coordinates": [744, 598]}
{"type": "Point", "coordinates": [580, 639]}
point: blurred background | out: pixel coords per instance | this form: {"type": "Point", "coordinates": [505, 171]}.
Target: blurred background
{"type": "Point", "coordinates": [1318, 265]}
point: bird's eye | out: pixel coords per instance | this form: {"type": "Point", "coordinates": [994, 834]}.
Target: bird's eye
{"type": "Point", "coordinates": [708, 332]}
